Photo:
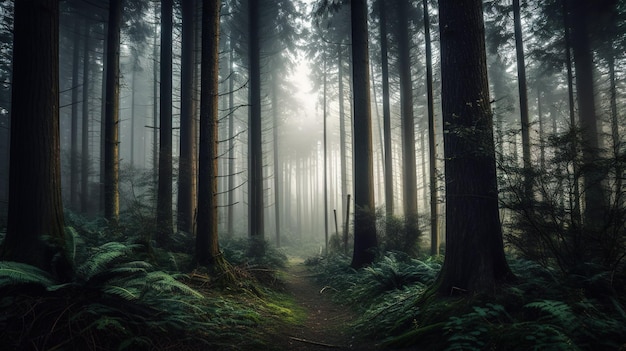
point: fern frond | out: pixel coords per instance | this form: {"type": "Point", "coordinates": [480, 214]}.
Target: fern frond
{"type": "Point", "coordinates": [163, 282]}
{"type": "Point", "coordinates": [15, 273]}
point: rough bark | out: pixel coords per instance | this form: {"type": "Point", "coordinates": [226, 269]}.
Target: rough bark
{"type": "Point", "coordinates": [186, 193]}
{"type": "Point", "coordinates": [386, 111]}
{"type": "Point", "coordinates": [35, 233]}
{"type": "Point", "coordinates": [365, 241]}
{"type": "Point", "coordinates": [84, 155]}
{"type": "Point", "coordinates": [474, 260]}
{"type": "Point", "coordinates": [74, 198]}
{"type": "Point", "coordinates": [207, 246]}
{"type": "Point", "coordinates": [111, 115]}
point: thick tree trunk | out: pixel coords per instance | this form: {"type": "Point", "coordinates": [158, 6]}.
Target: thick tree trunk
{"type": "Point", "coordinates": [474, 259]}
{"type": "Point", "coordinates": [186, 193]}
{"type": "Point", "coordinates": [365, 241]}
{"type": "Point", "coordinates": [342, 131]}
{"type": "Point", "coordinates": [35, 207]}
{"type": "Point", "coordinates": [164, 192]}
{"type": "Point", "coordinates": [207, 246]}
{"type": "Point", "coordinates": [594, 198]}
{"type": "Point", "coordinates": [277, 173]}
{"type": "Point", "coordinates": [256, 225]}
{"type": "Point", "coordinates": [111, 115]}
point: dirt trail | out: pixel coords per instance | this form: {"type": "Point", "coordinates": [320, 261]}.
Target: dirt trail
{"type": "Point", "coordinates": [325, 327]}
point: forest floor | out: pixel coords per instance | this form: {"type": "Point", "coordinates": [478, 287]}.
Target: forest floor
{"type": "Point", "coordinates": [326, 325]}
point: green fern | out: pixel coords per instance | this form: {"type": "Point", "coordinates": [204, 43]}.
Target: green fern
{"type": "Point", "coordinates": [16, 273]}
{"type": "Point", "coordinates": [557, 313]}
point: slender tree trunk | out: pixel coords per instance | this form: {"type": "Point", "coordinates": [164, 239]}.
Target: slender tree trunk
{"type": "Point", "coordinates": [342, 130]}
{"type": "Point", "coordinates": [155, 102]}
{"type": "Point", "coordinates": [386, 111]}
{"type": "Point", "coordinates": [207, 245]}
{"type": "Point", "coordinates": [231, 143]}
{"type": "Point", "coordinates": [164, 192]}
{"type": "Point", "coordinates": [523, 101]}
{"type": "Point", "coordinates": [615, 136]}
{"type": "Point", "coordinates": [255, 153]}
{"type": "Point", "coordinates": [35, 206]}
{"type": "Point", "coordinates": [186, 193]}
{"type": "Point", "coordinates": [132, 106]}
{"type": "Point", "coordinates": [325, 167]}
{"type": "Point", "coordinates": [474, 260]}
{"type": "Point", "coordinates": [542, 149]}
{"type": "Point", "coordinates": [111, 115]}
{"type": "Point", "coordinates": [432, 132]}
{"type": "Point", "coordinates": [365, 241]}
{"type": "Point", "coordinates": [277, 174]}
{"type": "Point", "coordinates": [408, 126]}
{"type": "Point", "coordinates": [84, 158]}
{"type": "Point", "coordinates": [74, 198]}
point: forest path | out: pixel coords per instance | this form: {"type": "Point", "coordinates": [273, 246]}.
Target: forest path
{"type": "Point", "coordinates": [326, 323]}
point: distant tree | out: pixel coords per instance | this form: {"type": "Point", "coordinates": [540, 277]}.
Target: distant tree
{"type": "Point", "coordinates": [474, 259]}
{"type": "Point", "coordinates": [35, 231]}
{"type": "Point", "coordinates": [84, 154]}
{"type": "Point", "coordinates": [365, 241]}
{"type": "Point", "coordinates": [74, 183]}
{"type": "Point", "coordinates": [164, 193]}
{"type": "Point", "coordinates": [111, 114]}
{"type": "Point", "coordinates": [186, 194]}
{"type": "Point", "coordinates": [207, 245]}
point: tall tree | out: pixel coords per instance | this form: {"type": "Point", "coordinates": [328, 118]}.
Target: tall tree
{"type": "Point", "coordinates": [207, 246]}
{"type": "Point", "coordinates": [256, 225]}
{"type": "Point", "coordinates": [35, 208]}
{"type": "Point", "coordinates": [164, 192]}
{"type": "Point", "coordinates": [84, 155]}
{"type": "Point", "coordinates": [594, 197]}
{"type": "Point", "coordinates": [365, 241]}
{"type": "Point", "coordinates": [407, 121]}
{"type": "Point", "coordinates": [74, 199]}
{"type": "Point", "coordinates": [386, 109]}
{"type": "Point", "coordinates": [474, 259]}
{"type": "Point", "coordinates": [111, 114]}
{"type": "Point", "coordinates": [186, 196]}
{"type": "Point", "coordinates": [432, 146]}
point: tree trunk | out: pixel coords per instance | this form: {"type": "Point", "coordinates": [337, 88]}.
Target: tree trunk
{"type": "Point", "coordinates": [74, 198]}
{"type": "Point", "coordinates": [207, 246]}
{"type": "Point", "coordinates": [255, 152]}
{"type": "Point", "coordinates": [342, 131]}
{"type": "Point", "coordinates": [365, 241]}
{"type": "Point", "coordinates": [523, 102]}
{"type": "Point", "coordinates": [35, 207]}
{"type": "Point", "coordinates": [277, 174]}
{"type": "Point", "coordinates": [386, 111]}
{"type": "Point", "coordinates": [111, 115]}
{"type": "Point", "coordinates": [164, 192]}
{"type": "Point", "coordinates": [186, 193]}
{"type": "Point", "coordinates": [583, 61]}
{"type": "Point", "coordinates": [474, 260]}
{"type": "Point", "coordinates": [408, 126]}
{"type": "Point", "coordinates": [231, 143]}
{"type": "Point", "coordinates": [432, 132]}
{"type": "Point", "coordinates": [84, 158]}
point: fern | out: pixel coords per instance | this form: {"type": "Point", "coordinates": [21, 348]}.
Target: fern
{"type": "Point", "coordinates": [557, 313]}
{"type": "Point", "coordinates": [16, 273]}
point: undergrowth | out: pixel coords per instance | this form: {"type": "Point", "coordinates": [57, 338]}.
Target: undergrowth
{"type": "Point", "coordinates": [542, 311]}
{"type": "Point", "coordinates": [116, 300]}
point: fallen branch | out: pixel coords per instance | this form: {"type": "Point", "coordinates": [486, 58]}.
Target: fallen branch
{"type": "Point", "coordinates": [315, 342]}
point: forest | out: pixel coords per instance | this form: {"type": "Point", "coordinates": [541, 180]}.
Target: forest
{"type": "Point", "coordinates": [312, 175]}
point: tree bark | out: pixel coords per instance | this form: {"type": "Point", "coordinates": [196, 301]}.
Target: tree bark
{"type": "Point", "coordinates": [74, 198]}
{"type": "Point", "coordinates": [432, 132]}
{"type": "Point", "coordinates": [207, 245]}
{"type": "Point", "coordinates": [386, 111]}
{"type": "Point", "coordinates": [164, 192]}
{"type": "Point", "coordinates": [408, 125]}
{"type": "Point", "coordinates": [365, 241]}
{"type": "Point", "coordinates": [256, 225]}
{"type": "Point", "coordinates": [84, 158]}
{"type": "Point", "coordinates": [35, 228]}
{"type": "Point", "coordinates": [186, 193]}
{"type": "Point", "coordinates": [474, 260]}
{"type": "Point", "coordinates": [111, 115]}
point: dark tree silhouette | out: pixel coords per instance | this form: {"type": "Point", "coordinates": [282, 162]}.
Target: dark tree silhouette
{"type": "Point", "coordinates": [474, 260]}
{"type": "Point", "coordinates": [35, 208]}
{"type": "Point", "coordinates": [365, 241]}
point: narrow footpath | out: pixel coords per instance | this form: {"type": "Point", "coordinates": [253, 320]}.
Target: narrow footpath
{"type": "Point", "coordinates": [326, 325]}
